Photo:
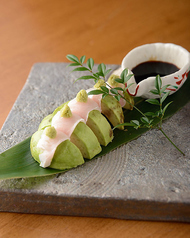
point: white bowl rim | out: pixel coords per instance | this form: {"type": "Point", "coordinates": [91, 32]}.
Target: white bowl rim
{"type": "Point", "coordinates": [164, 45]}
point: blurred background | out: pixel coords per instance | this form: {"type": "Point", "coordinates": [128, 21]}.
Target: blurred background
{"type": "Point", "coordinates": [46, 31]}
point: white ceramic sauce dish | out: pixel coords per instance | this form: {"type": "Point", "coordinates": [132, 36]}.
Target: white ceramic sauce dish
{"type": "Point", "coordinates": [162, 52]}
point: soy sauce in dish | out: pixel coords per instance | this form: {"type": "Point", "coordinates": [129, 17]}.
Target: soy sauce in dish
{"type": "Point", "coordinates": [153, 68]}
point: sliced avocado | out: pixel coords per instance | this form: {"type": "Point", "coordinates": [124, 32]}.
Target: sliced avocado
{"type": "Point", "coordinates": [129, 99]}
{"type": "Point", "coordinates": [100, 126]}
{"type": "Point", "coordinates": [35, 151]}
{"type": "Point", "coordinates": [66, 156]}
{"type": "Point", "coordinates": [59, 108]}
{"type": "Point", "coordinates": [112, 109]}
{"type": "Point", "coordinates": [45, 122]}
{"type": "Point", "coordinates": [84, 138]}
{"type": "Point", "coordinates": [112, 82]}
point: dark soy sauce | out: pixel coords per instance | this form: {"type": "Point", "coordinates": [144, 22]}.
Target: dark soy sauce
{"type": "Point", "coordinates": [153, 68]}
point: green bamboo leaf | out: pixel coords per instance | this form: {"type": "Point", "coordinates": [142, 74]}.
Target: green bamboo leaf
{"type": "Point", "coordinates": [17, 162]}
{"type": "Point", "coordinates": [73, 58]}
{"type": "Point", "coordinates": [124, 124]}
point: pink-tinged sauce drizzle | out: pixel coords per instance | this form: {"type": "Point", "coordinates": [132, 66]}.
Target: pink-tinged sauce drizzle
{"type": "Point", "coordinates": [66, 125]}
{"type": "Point", "coordinates": [96, 98]}
{"type": "Point", "coordinates": [83, 108]}
{"type": "Point", "coordinates": [49, 145]}
{"type": "Point", "coordinates": [64, 128]}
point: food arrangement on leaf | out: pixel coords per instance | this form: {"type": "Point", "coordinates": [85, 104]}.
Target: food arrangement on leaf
{"type": "Point", "coordinates": [76, 130]}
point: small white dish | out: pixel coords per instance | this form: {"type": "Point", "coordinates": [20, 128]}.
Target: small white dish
{"type": "Point", "coordinates": [164, 52]}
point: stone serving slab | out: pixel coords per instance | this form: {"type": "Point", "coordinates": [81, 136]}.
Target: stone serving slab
{"type": "Point", "coordinates": [146, 179]}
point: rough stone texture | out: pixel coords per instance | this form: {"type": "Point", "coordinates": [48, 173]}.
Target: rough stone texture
{"type": "Point", "coordinates": [144, 179]}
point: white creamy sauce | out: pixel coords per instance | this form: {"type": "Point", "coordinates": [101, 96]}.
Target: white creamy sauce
{"type": "Point", "coordinates": [96, 98]}
{"type": "Point", "coordinates": [83, 108]}
{"type": "Point", "coordinates": [66, 125]}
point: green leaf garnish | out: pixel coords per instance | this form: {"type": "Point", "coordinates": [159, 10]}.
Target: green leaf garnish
{"type": "Point", "coordinates": [82, 59]}
{"type": "Point", "coordinates": [86, 77]}
{"type": "Point", "coordinates": [73, 58]}
{"type": "Point", "coordinates": [95, 92]}
{"type": "Point", "coordinates": [164, 97]}
{"type": "Point", "coordinates": [158, 83]}
{"type": "Point", "coordinates": [114, 91]}
{"type": "Point", "coordinates": [80, 69]}
{"type": "Point", "coordinates": [153, 101]}
{"type": "Point", "coordinates": [117, 93]}
{"type": "Point", "coordinates": [90, 63]}
{"type": "Point", "coordinates": [104, 89]}
{"type": "Point", "coordinates": [119, 80]}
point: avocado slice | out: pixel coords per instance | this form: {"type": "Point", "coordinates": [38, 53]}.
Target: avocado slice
{"type": "Point", "coordinates": [84, 138]}
{"type": "Point", "coordinates": [100, 126]}
{"type": "Point", "coordinates": [112, 109]}
{"type": "Point", "coordinates": [45, 122]}
{"type": "Point", "coordinates": [129, 99]}
{"type": "Point", "coordinates": [59, 108]}
{"type": "Point", "coordinates": [66, 156]}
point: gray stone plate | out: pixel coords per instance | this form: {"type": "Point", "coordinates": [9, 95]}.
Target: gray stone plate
{"type": "Point", "coordinates": [146, 179]}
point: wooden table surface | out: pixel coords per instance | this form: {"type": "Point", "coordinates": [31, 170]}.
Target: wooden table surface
{"type": "Point", "coordinates": [46, 31]}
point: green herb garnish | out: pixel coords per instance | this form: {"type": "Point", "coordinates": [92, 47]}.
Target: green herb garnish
{"type": "Point", "coordinates": [148, 118]}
